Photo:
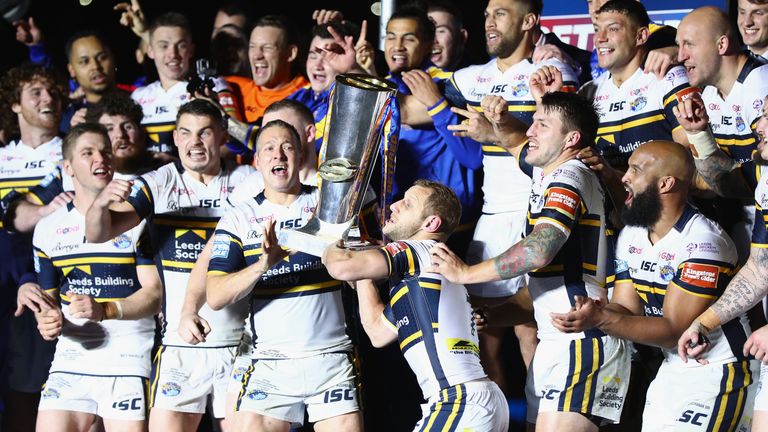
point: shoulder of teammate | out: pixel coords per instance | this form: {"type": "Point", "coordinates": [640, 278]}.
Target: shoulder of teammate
{"type": "Point", "coordinates": [45, 229]}
{"type": "Point", "coordinates": [401, 258]}
{"type": "Point", "coordinates": [676, 76]}
{"type": "Point", "coordinates": [459, 84]}
{"type": "Point", "coordinates": [49, 187]}
{"type": "Point", "coordinates": [706, 240]}
{"type": "Point", "coordinates": [755, 89]}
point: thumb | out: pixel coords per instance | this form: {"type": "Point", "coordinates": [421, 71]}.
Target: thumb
{"type": "Point", "coordinates": [19, 310]}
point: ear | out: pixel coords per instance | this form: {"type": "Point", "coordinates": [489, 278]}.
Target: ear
{"type": "Point", "coordinates": [16, 108]}
{"type": "Point", "coordinates": [310, 132]}
{"type": "Point", "coordinates": [293, 52]}
{"type": "Point", "coordinates": [464, 35]}
{"type": "Point", "coordinates": [667, 184]}
{"type": "Point", "coordinates": [432, 224]}
{"type": "Point", "coordinates": [642, 36]}
{"type": "Point", "coordinates": [71, 71]}
{"type": "Point", "coordinates": [723, 45]}
{"type": "Point", "coordinates": [572, 139]}
{"type": "Point", "coordinates": [67, 165]}
{"type": "Point", "coordinates": [150, 51]}
{"type": "Point", "coordinates": [529, 21]}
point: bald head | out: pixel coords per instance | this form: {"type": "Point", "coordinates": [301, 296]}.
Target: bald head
{"type": "Point", "coordinates": [668, 159]}
{"type": "Point", "coordinates": [713, 21]}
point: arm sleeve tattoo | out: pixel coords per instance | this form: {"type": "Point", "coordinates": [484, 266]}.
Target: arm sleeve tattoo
{"type": "Point", "coordinates": [534, 251]}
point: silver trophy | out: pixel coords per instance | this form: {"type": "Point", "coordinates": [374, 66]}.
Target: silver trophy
{"type": "Point", "coordinates": [353, 135]}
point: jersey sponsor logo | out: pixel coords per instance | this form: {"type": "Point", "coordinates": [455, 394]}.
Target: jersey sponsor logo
{"type": "Point", "coordinates": [687, 93]}
{"type": "Point", "coordinates": [395, 248]}
{"type": "Point", "coordinates": [648, 266]}
{"type": "Point", "coordinates": [617, 106]}
{"type": "Point", "coordinates": [210, 203]}
{"type": "Point", "coordinates": [757, 104]}
{"type": "Point", "coordinates": [170, 389]}
{"type": "Point", "coordinates": [221, 246]}
{"type": "Point", "coordinates": [667, 272]}
{"type": "Point", "coordinates": [638, 104]}
{"type": "Point", "coordinates": [253, 234]}
{"type": "Point", "coordinates": [462, 346]}
{"type": "Point", "coordinates": [404, 321]}
{"type": "Point", "coordinates": [161, 109]}
{"type": "Point", "coordinates": [256, 395]}
{"type": "Point", "coordinates": [666, 256]}
{"type": "Point", "coordinates": [564, 200]}
{"type": "Point", "coordinates": [638, 91]}
{"type": "Point", "coordinates": [238, 373]}
{"type": "Point", "coordinates": [550, 394]}
{"type": "Point", "coordinates": [498, 88]}
{"type": "Point", "coordinates": [740, 125]}
{"type": "Point", "coordinates": [635, 250]}
{"type": "Point", "coordinates": [122, 241]}
{"type": "Point", "coordinates": [609, 393]}
{"type": "Point", "coordinates": [700, 275]}
{"type": "Point", "coordinates": [47, 180]}
{"type": "Point", "coordinates": [702, 247]}
{"type": "Point", "coordinates": [67, 230]}
{"type": "Point", "coordinates": [36, 261]}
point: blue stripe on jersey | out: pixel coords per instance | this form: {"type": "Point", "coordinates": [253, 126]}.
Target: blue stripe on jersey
{"type": "Point", "coordinates": [729, 406]}
{"type": "Point", "coordinates": [426, 309]}
{"type": "Point", "coordinates": [585, 359]}
{"type": "Point", "coordinates": [445, 414]}
{"type": "Point", "coordinates": [736, 336]}
{"type": "Point", "coordinates": [760, 228]}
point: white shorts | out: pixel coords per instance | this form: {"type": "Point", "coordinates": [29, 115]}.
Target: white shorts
{"type": "Point", "coordinates": [109, 397]}
{"type": "Point", "coordinates": [494, 234]}
{"type": "Point", "coordinates": [761, 397]}
{"type": "Point", "coordinates": [184, 378]}
{"type": "Point", "coordinates": [706, 398]}
{"type": "Point", "coordinates": [588, 376]}
{"type": "Point", "coordinates": [323, 385]}
{"type": "Point", "coordinates": [479, 406]}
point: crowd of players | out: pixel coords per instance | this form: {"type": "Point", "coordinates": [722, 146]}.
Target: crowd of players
{"type": "Point", "coordinates": [608, 205]}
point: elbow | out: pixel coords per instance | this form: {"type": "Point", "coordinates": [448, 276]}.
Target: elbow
{"type": "Point", "coordinates": [379, 342]}
{"type": "Point", "coordinates": [212, 297]}
{"type": "Point", "coordinates": [540, 260]}
{"type": "Point", "coordinates": [94, 237]}
{"type": "Point", "coordinates": [339, 271]}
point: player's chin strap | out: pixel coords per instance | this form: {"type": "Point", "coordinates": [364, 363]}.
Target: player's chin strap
{"type": "Point", "coordinates": [390, 133]}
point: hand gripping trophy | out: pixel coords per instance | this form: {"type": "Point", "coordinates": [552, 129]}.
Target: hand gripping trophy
{"type": "Point", "coordinates": [362, 126]}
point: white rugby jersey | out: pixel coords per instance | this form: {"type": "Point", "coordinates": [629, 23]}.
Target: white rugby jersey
{"type": "Point", "coordinates": [182, 214]}
{"type": "Point", "coordinates": [733, 119]}
{"type": "Point", "coordinates": [696, 256]}
{"type": "Point", "coordinates": [253, 185]}
{"type": "Point", "coordinates": [753, 174]}
{"type": "Point", "coordinates": [160, 108]}
{"type": "Point", "coordinates": [432, 318]}
{"type": "Point", "coordinates": [572, 200]}
{"type": "Point", "coordinates": [638, 111]}
{"type": "Point", "coordinates": [23, 167]}
{"type": "Point", "coordinates": [295, 309]}
{"type": "Point", "coordinates": [505, 188]}
{"type": "Point", "coordinates": [64, 262]}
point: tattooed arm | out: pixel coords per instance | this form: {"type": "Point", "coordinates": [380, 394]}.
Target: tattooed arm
{"type": "Point", "coordinates": [722, 175]}
{"type": "Point", "coordinates": [747, 289]}
{"type": "Point", "coordinates": [533, 252]}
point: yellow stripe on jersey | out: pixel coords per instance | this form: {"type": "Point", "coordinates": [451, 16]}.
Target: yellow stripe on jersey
{"type": "Point", "coordinates": [438, 73]}
{"type": "Point", "coordinates": [430, 285]}
{"type": "Point", "coordinates": [490, 148]}
{"type": "Point", "coordinates": [17, 184]}
{"type": "Point", "coordinates": [724, 398]}
{"type": "Point", "coordinates": [97, 300]}
{"type": "Point", "coordinates": [178, 264]}
{"type": "Point", "coordinates": [649, 289]}
{"type": "Point", "coordinates": [401, 292]}
{"type": "Point", "coordinates": [410, 339]}
{"type": "Point", "coordinates": [588, 266]}
{"type": "Point", "coordinates": [436, 412]}
{"type": "Point", "coordinates": [199, 233]}
{"type": "Point", "coordinates": [590, 222]}
{"type": "Point", "coordinates": [153, 386]}
{"type": "Point", "coordinates": [411, 263]}
{"type": "Point", "coordinates": [554, 221]}
{"type": "Point", "coordinates": [454, 410]}
{"type": "Point", "coordinates": [93, 260]}
{"type": "Point", "coordinates": [301, 288]}
{"type": "Point", "coordinates": [735, 141]}
{"type": "Point", "coordinates": [216, 272]}
{"type": "Point", "coordinates": [629, 125]}
{"type": "Point", "coordinates": [160, 128]}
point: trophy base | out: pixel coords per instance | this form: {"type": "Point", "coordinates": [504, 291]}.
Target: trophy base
{"type": "Point", "coordinates": [315, 237]}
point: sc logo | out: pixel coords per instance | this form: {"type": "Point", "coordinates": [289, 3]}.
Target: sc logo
{"type": "Point", "coordinates": [692, 417]}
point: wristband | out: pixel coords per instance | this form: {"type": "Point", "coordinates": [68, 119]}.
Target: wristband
{"type": "Point", "coordinates": [703, 143]}
{"type": "Point", "coordinates": [112, 310]}
{"type": "Point", "coordinates": [709, 320]}
{"type": "Point", "coordinates": [119, 306]}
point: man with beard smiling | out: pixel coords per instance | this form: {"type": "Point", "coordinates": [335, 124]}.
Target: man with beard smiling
{"type": "Point", "coordinates": [121, 116]}
{"type": "Point", "coordinates": [184, 201]}
{"type": "Point", "coordinates": [566, 251]}
{"type": "Point", "coordinates": [671, 264]}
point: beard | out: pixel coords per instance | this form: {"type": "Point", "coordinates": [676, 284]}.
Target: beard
{"type": "Point", "coordinates": [505, 47]}
{"type": "Point", "coordinates": [645, 209]}
{"type": "Point", "coordinates": [399, 232]}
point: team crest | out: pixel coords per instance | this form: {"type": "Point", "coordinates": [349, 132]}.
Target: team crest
{"type": "Point", "coordinates": [122, 241]}
{"type": "Point", "coordinates": [740, 125]}
{"type": "Point", "coordinates": [50, 393]}
{"type": "Point", "coordinates": [257, 395]}
{"type": "Point", "coordinates": [638, 104]}
{"type": "Point", "coordinates": [519, 90]}
{"type": "Point", "coordinates": [667, 272]}
{"type": "Point", "coordinates": [170, 389]}
{"type": "Point", "coordinates": [135, 188]}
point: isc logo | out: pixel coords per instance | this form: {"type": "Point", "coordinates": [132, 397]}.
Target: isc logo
{"type": "Point", "coordinates": [34, 164]}
{"type": "Point", "coordinates": [338, 394]}
{"type": "Point", "coordinates": [293, 223]}
{"type": "Point", "coordinates": [210, 203]}
{"type": "Point", "coordinates": [692, 417]}
{"type": "Point", "coordinates": [648, 266]}
{"type": "Point", "coordinates": [499, 88]}
{"type": "Point", "coordinates": [128, 404]}
{"type": "Point", "coordinates": [617, 106]}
